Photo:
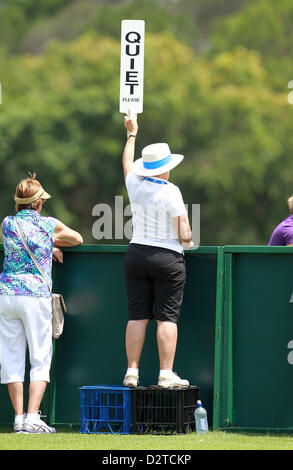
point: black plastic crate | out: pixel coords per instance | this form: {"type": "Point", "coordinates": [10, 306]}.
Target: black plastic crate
{"type": "Point", "coordinates": [163, 411]}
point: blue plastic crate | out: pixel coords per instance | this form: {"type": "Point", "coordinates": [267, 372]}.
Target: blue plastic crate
{"type": "Point", "coordinates": [105, 409]}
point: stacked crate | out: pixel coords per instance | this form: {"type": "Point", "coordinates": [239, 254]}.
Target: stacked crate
{"type": "Point", "coordinates": [141, 410]}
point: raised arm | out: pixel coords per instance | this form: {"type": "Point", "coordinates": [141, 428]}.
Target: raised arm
{"type": "Point", "coordinates": [65, 236]}
{"type": "Point", "coordinates": [130, 123]}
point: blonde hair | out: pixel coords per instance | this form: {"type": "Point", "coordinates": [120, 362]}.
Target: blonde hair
{"type": "Point", "coordinates": [27, 188]}
{"type": "Point", "coordinates": [290, 204]}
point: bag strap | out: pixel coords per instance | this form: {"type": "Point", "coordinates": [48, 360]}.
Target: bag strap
{"type": "Point", "coordinates": [37, 264]}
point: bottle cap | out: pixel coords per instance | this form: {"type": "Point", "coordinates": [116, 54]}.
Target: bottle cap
{"type": "Point", "coordinates": [199, 403]}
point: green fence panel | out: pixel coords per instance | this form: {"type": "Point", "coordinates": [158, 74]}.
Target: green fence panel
{"type": "Point", "coordinates": [253, 385]}
{"type": "Point", "coordinates": [235, 334]}
{"type": "Point", "coordinates": [91, 350]}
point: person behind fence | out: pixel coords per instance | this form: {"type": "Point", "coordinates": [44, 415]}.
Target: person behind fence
{"type": "Point", "coordinates": [155, 271]}
{"type": "Point", "coordinates": [25, 300]}
{"type": "Point", "coordinates": [282, 235]}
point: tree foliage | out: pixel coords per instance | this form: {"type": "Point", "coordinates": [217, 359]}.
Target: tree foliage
{"type": "Point", "coordinates": [16, 17]}
{"type": "Point", "coordinates": [224, 108]}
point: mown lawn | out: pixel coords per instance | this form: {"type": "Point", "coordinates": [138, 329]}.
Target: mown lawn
{"type": "Point", "coordinates": [72, 440]}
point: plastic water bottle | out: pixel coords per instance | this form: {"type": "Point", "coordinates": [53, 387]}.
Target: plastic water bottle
{"type": "Point", "coordinates": [201, 419]}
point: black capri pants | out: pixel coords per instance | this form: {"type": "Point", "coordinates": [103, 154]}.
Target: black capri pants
{"type": "Point", "coordinates": [155, 279]}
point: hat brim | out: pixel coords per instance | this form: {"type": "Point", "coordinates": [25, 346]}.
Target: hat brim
{"type": "Point", "coordinates": [140, 170]}
{"type": "Point", "coordinates": [45, 195]}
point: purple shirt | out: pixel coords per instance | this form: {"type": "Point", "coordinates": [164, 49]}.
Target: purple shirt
{"type": "Point", "coordinates": [283, 233]}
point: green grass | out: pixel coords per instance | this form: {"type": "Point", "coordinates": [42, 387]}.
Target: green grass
{"type": "Point", "coordinates": [216, 440]}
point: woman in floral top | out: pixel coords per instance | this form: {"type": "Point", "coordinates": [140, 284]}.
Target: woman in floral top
{"type": "Point", "coordinates": [25, 300]}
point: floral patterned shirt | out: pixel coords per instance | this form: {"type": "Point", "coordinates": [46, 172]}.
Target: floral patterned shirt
{"type": "Point", "coordinates": [20, 276]}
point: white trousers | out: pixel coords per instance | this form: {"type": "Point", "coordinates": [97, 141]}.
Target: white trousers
{"type": "Point", "coordinates": [25, 320]}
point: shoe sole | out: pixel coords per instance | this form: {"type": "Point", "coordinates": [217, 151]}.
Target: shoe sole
{"type": "Point", "coordinates": [173, 386]}
{"type": "Point", "coordinates": [37, 432]}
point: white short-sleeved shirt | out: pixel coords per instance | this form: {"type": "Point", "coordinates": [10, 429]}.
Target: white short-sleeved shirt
{"type": "Point", "coordinates": [154, 204]}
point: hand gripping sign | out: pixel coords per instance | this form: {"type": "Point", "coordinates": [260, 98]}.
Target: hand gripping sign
{"type": "Point", "coordinates": [131, 66]}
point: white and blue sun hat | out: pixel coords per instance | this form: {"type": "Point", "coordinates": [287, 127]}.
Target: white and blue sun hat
{"type": "Point", "coordinates": [156, 159]}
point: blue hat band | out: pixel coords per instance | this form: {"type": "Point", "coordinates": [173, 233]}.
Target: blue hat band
{"type": "Point", "coordinates": [158, 163]}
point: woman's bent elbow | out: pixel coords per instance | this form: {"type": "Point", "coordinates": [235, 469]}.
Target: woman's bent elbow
{"type": "Point", "coordinates": [79, 239]}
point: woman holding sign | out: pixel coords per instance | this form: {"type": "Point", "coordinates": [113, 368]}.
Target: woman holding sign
{"type": "Point", "coordinates": [154, 264]}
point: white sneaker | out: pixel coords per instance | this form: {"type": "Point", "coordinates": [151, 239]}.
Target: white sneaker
{"type": "Point", "coordinates": [37, 427]}
{"type": "Point", "coordinates": [173, 381]}
{"type": "Point", "coordinates": [18, 425]}
{"type": "Point", "coordinates": [130, 380]}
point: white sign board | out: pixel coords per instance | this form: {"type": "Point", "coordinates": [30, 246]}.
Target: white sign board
{"type": "Point", "coordinates": [131, 66]}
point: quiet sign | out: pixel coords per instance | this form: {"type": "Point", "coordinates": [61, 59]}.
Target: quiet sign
{"type": "Point", "coordinates": [131, 66]}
